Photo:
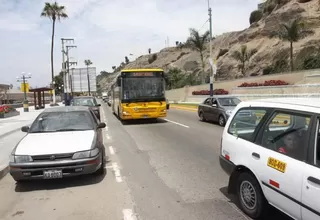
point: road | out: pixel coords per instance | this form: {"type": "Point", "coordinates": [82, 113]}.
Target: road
{"type": "Point", "coordinates": [163, 170]}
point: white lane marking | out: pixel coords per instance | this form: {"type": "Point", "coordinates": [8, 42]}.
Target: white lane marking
{"type": "Point", "coordinates": [128, 214]}
{"type": "Point", "coordinates": [117, 172]}
{"type": "Point", "coordinates": [177, 123]}
{"type": "Point", "coordinates": [111, 150]}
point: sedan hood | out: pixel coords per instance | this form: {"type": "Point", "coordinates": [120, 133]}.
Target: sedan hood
{"type": "Point", "coordinates": [55, 143]}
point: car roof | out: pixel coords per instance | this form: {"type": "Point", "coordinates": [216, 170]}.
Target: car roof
{"type": "Point", "coordinates": [301, 104]}
{"type": "Point", "coordinates": [67, 109]}
{"type": "Point", "coordinates": [310, 102]}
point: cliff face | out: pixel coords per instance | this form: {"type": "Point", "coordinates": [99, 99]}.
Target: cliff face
{"type": "Point", "coordinates": [257, 36]}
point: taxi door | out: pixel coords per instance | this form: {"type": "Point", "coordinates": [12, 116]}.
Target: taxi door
{"type": "Point", "coordinates": [311, 181]}
{"type": "Point", "coordinates": [282, 182]}
{"type": "Point", "coordinates": [282, 176]}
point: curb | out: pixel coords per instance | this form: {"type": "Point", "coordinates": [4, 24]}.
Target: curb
{"type": "Point", "coordinates": [10, 132]}
{"type": "Point", "coordinates": [3, 171]}
{"type": "Point", "coordinates": [184, 108]}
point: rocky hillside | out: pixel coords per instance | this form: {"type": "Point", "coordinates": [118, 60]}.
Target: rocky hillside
{"type": "Point", "coordinates": [272, 54]}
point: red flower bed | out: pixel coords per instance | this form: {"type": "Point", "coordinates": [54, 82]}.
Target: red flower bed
{"type": "Point", "coordinates": [266, 83]}
{"type": "Point", "coordinates": [5, 109]}
{"type": "Point", "coordinates": [207, 92]}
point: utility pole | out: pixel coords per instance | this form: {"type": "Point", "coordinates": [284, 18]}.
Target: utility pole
{"type": "Point", "coordinates": [211, 60]}
{"type": "Point", "coordinates": [64, 67]}
{"type": "Point", "coordinates": [68, 67]}
{"type": "Point", "coordinates": [23, 80]}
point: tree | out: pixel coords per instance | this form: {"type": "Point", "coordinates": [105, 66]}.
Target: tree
{"type": "Point", "coordinates": [198, 42]}
{"type": "Point", "coordinates": [174, 78]}
{"type": "Point", "coordinates": [114, 67]}
{"type": "Point", "coordinates": [293, 31]}
{"type": "Point", "coordinates": [126, 60]}
{"type": "Point", "coordinates": [58, 86]}
{"type": "Point", "coordinates": [54, 12]}
{"type": "Point", "coordinates": [243, 56]}
{"type": "Point", "coordinates": [88, 63]}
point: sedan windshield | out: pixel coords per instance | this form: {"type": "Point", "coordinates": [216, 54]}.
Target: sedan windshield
{"type": "Point", "coordinates": [62, 121]}
{"type": "Point", "coordinates": [84, 102]}
{"type": "Point", "coordinates": [229, 101]}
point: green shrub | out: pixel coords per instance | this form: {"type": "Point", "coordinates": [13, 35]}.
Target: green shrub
{"type": "Point", "coordinates": [222, 52]}
{"type": "Point", "coordinates": [269, 8]}
{"type": "Point", "coordinates": [255, 16]}
{"type": "Point", "coordinates": [311, 62]}
{"type": "Point", "coordinates": [152, 58]}
{"type": "Point", "coordinates": [268, 70]}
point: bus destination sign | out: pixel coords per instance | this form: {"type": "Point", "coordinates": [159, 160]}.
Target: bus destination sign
{"type": "Point", "coordinates": [143, 74]}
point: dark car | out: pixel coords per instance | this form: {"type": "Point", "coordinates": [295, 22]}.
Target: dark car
{"type": "Point", "coordinates": [61, 142]}
{"type": "Point", "coordinates": [218, 109]}
{"type": "Point", "coordinates": [89, 101]}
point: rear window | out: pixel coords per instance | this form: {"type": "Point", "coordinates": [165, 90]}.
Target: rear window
{"type": "Point", "coordinates": [84, 102]}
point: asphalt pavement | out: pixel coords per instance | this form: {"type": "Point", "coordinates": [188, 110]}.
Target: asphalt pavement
{"type": "Point", "coordinates": [163, 170]}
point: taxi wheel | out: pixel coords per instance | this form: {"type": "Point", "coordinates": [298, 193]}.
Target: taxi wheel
{"type": "Point", "coordinates": [250, 196]}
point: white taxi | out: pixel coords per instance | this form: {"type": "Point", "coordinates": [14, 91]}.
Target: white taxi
{"type": "Point", "coordinates": [275, 160]}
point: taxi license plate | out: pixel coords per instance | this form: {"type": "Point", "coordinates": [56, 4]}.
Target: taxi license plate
{"type": "Point", "coordinates": [277, 164]}
{"type": "Point", "coordinates": [52, 174]}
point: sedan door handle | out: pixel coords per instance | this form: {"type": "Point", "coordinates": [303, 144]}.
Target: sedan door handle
{"type": "Point", "coordinates": [314, 180]}
{"type": "Point", "coordinates": [256, 155]}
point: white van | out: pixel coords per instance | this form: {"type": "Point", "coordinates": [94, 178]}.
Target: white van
{"type": "Point", "coordinates": [275, 160]}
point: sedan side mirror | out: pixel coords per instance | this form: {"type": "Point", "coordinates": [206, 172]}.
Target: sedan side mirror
{"type": "Point", "coordinates": [98, 104]}
{"type": "Point", "coordinates": [101, 125]}
{"type": "Point", "coordinates": [25, 129]}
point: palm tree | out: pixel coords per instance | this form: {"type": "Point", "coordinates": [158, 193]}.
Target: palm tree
{"type": "Point", "coordinates": [293, 32]}
{"type": "Point", "coordinates": [243, 56]}
{"type": "Point", "coordinates": [54, 12]}
{"type": "Point", "coordinates": [88, 63]}
{"type": "Point", "coordinates": [198, 42]}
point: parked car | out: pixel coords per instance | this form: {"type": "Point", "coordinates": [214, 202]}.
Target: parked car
{"type": "Point", "coordinates": [89, 101]}
{"type": "Point", "coordinates": [61, 142]}
{"type": "Point", "coordinates": [109, 102]}
{"type": "Point", "coordinates": [276, 160]}
{"type": "Point", "coordinates": [219, 108]}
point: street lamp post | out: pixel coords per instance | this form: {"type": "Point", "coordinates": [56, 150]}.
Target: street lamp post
{"type": "Point", "coordinates": [22, 79]}
{"type": "Point", "coordinates": [213, 64]}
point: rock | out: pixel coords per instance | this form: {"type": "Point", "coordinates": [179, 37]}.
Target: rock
{"type": "Point", "coordinates": [270, 51]}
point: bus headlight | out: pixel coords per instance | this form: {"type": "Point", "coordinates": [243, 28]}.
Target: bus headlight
{"type": "Point", "coordinates": [125, 113]}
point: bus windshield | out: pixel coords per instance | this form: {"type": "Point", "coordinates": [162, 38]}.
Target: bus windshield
{"type": "Point", "coordinates": [135, 88]}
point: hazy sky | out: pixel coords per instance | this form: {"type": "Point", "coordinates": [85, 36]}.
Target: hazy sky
{"type": "Point", "coordinates": [105, 31]}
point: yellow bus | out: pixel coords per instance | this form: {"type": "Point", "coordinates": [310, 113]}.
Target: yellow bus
{"type": "Point", "coordinates": [139, 94]}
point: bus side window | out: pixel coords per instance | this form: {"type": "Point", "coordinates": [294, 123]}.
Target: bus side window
{"type": "Point", "coordinates": [118, 81]}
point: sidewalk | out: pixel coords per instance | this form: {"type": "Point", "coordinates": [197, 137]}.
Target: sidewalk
{"type": "Point", "coordinates": [13, 124]}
